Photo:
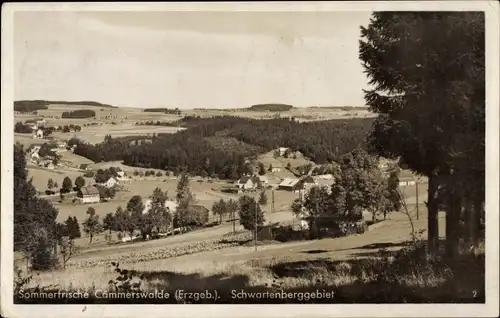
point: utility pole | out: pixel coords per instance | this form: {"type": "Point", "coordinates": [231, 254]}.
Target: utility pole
{"type": "Point", "coordinates": [272, 206]}
{"type": "Point", "coordinates": [255, 225]}
{"type": "Point", "coordinates": [416, 190]}
{"type": "Point", "coordinates": [234, 225]}
{"type": "Point", "coordinates": [315, 223]}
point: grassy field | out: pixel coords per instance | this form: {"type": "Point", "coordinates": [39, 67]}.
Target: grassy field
{"type": "Point", "coordinates": [96, 134]}
{"type": "Point", "coordinates": [41, 175]}
{"type": "Point", "coordinates": [299, 113]}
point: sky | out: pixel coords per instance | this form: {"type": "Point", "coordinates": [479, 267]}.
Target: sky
{"type": "Point", "coordinates": [190, 59]}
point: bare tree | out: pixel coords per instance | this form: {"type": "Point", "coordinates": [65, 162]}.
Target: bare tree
{"type": "Point", "coordinates": [404, 209]}
{"type": "Point", "coordinates": [68, 249]}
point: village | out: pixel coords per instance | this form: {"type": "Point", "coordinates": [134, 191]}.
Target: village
{"type": "Point", "coordinates": [106, 187]}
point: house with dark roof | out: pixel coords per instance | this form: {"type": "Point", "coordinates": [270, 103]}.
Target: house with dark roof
{"type": "Point", "coordinates": [89, 195]}
{"type": "Point", "coordinates": [249, 183]}
{"type": "Point", "coordinates": [197, 215]}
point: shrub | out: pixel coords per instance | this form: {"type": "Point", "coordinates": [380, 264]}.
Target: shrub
{"type": "Point", "coordinates": [89, 174]}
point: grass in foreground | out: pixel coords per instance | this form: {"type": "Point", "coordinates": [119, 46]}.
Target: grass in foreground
{"type": "Point", "coordinates": [405, 276]}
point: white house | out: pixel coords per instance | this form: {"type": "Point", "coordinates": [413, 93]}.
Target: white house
{"type": "Point", "coordinates": [248, 183]}
{"type": "Point", "coordinates": [111, 182]}
{"type": "Point", "coordinates": [37, 134]}
{"type": "Point", "coordinates": [89, 195]}
{"type": "Point", "coordinates": [276, 167]}
{"type": "Point", "coordinates": [282, 150]}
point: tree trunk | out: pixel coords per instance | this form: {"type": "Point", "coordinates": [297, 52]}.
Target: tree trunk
{"type": "Point", "coordinates": [432, 220]}
{"type": "Point", "coordinates": [474, 222]}
{"type": "Point", "coordinates": [468, 220]}
{"type": "Point", "coordinates": [452, 226]}
{"type": "Point", "coordinates": [91, 237]}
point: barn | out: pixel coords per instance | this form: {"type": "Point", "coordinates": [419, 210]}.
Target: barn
{"type": "Point", "coordinates": [291, 184]}
{"type": "Point", "coordinates": [89, 195]}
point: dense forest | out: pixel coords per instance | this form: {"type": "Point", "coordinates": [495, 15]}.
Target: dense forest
{"type": "Point", "coordinates": [80, 113]}
{"type": "Point", "coordinates": [21, 128]}
{"type": "Point", "coordinates": [270, 107]}
{"type": "Point", "coordinates": [175, 111]}
{"type": "Point", "coordinates": [27, 106]}
{"type": "Point", "coordinates": [344, 108]}
{"type": "Point", "coordinates": [196, 151]}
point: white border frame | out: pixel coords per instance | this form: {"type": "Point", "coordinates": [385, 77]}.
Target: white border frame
{"type": "Point", "coordinates": [491, 9]}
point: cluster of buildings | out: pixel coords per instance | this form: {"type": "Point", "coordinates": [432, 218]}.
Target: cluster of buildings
{"type": "Point", "coordinates": [36, 127]}
{"type": "Point", "coordinates": [94, 193]}
{"type": "Point", "coordinates": [295, 185]}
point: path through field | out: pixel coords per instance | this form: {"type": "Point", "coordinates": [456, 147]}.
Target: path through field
{"type": "Point", "coordinates": [387, 234]}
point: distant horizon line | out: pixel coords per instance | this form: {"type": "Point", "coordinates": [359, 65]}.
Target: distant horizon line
{"type": "Point", "coordinates": [99, 104]}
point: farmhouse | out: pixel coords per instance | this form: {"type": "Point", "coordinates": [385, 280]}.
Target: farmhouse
{"type": "Point", "coordinates": [282, 150]}
{"type": "Point", "coordinates": [276, 167]}
{"type": "Point", "coordinates": [197, 215]}
{"type": "Point", "coordinates": [291, 184]}
{"type": "Point", "coordinates": [248, 183]}
{"type": "Point", "coordinates": [37, 133]}
{"type": "Point", "coordinates": [111, 182]}
{"type": "Point", "coordinates": [89, 195]}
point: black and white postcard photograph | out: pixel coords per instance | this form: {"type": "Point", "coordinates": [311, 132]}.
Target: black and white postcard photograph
{"type": "Point", "coordinates": [250, 159]}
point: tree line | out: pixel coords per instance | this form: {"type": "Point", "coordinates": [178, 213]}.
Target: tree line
{"type": "Point", "coordinates": [175, 111]}
{"type": "Point", "coordinates": [28, 106]}
{"type": "Point", "coordinates": [157, 123]}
